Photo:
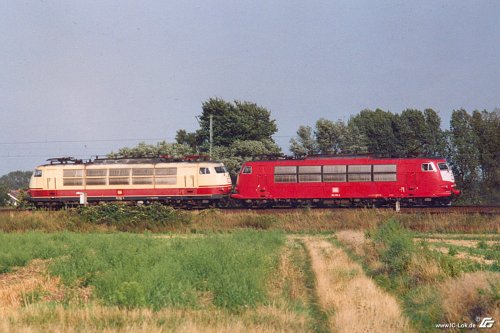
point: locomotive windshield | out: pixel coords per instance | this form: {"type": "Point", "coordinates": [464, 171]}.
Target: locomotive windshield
{"type": "Point", "coordinates": [443, 166]}
{"type": "Point", "coordinates": [220, 169]}
{"type": "Point", "coordinates": [37, 173]}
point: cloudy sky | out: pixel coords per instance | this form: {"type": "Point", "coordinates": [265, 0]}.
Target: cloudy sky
{"type": "Point", "coordinates": [85, 78]}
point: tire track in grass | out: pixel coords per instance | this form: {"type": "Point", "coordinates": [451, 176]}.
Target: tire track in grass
{"type": "Point", "coordinates": [351, 300]}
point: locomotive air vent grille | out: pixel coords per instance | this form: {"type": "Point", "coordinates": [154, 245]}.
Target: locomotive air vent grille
{"type": "Point", "coordinates": [384, 177]}
{"type": "Point", "coordinates": [384, 168]}
{"type": "Point", "coordinates": [360, 168]}
{"type": "Point", "coordinates": [334, 177]}
{"type": "Point", "coordinates": [310, 169]}
{"type": "Point", "coordinates": [73, 173]}
{"type": "Point", "coordinates": [334, 169]}
{"type": "Point", "coordinates": [119, 181]}
{"type": "Point", "coordinates": [97, 172]}
{"type": "Point", "coordinates": [280, 170]}
{"type": "Point", "coordinates": [142, 171]}
{"type": "Point", "coordinates": [166, 171]}
{"type": "Point", "coordinates": [119, 172]}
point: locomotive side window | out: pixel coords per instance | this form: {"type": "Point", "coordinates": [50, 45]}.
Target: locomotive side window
{"type": "Point", "coordinates": [142, 176]}
{"type": "Point", "coordinates": [96, 181]}
{"type": "Point", "coordinates": [309, 174]}
{"type": "Point", "coordinates": [384, 173]}
{"type": "Point", "coordinates": [334, 173]}
{"type": "Point", "coordinates": [359, 173]}
{"type": "Point", "coordinates": [119, 181]}
{"type": "Point", "coordinates": [72, 181]}
{"type": "Point", "coordinates": [72, 177]}
{"type": "Point", "coordinates": [142, 181]}
{"type": "Point", "coordinates": [166, 176]}
{"type": "Point", "coordinates": [37, 173]}
{"type": "Point", "coordinates": [247, 170]}
{"type": "Point", "coordinates": [204, 171]}
{"type": "Point", "coordinates": [285, 174]}
{"type": "Point", "coordinates": [96, 176]}
{"type": "Point", "coordinates": [427, 167]}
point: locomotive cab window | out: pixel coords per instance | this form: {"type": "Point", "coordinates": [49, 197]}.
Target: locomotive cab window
{"type": "Point", "coordinates": [247, 170]}
{"type": "Point", "coordinates": [427, 167]}
{"type": "Point", "coordinates": [37, 173]}
{"type": "Point", "coordinates": [220, 169]}
{"type": "Point", "coordinates": [204, 171]}
{"type": "Point", "coordinates": [443, 167]}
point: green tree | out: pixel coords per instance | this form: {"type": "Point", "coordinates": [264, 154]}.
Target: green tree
{"type": "Point", "coordinates": [486, 126]}
{"type": "Point", "coordinates": [464, 155]}
{"type": "Point", "coordinates": [330, 136]}
{"type": "Point", "coordinates": [411, 132]}
{"type": "Point", "coordinates": [183, 137]}
{"type": "Point", "coordinates": [16, 179]}
{"type": "Point", "coordinates": [435, 138]}
{"type": "Point", "coordinates": [163, 148]}
{"type": "Point", "coordinates": [304, 144]}
{"type": "Point", "coordinates": [378, 127]}
{"type": "Point", "coordinates": [234, 121]}
{"type": "Point", "coordinates": [3, 195]}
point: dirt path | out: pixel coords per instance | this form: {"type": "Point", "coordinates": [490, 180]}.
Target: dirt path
{"type": "Point", "coordinates": [352, 300]}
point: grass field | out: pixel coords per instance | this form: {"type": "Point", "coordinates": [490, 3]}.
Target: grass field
{"type": "Point", "coordinates": [300, 271]}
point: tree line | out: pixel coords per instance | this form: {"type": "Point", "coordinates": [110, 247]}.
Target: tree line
{"type": "Point", "coordinates": [244, 131]}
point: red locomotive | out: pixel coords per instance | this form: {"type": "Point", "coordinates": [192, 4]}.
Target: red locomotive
{"type": "Point", "coordinates": [324, 181]}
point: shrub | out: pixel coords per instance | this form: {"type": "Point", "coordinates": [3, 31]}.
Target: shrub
{"type": "Point", "coordinates": [396, 248]}
{"type": "Point", "coordinates": [133, 218]}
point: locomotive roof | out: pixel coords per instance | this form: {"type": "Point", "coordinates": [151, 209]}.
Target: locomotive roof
{"type": "Point", "coordinates": [126, 160]}
{"type": "Point", "coordinates": [337, 158]}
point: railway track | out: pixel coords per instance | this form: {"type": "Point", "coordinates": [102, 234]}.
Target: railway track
{"type": "Point", "coordinates": [481, 210]}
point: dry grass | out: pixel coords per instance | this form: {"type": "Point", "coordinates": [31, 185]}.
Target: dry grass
{"type": "Point", "coordinates": [354, 239]}
{"type": "Point", "coordinates": [96, 318]}
{"type": "Point", "coordinates": [298, 220]}
{"type": "Point", "coordinates": [352, 300]}
{"type": "Point", "coordinates": [33, 283]}
{"type": "Point", "coordinates": [469, 296]}
{"type": "Point", "coordinates": [289, 282]}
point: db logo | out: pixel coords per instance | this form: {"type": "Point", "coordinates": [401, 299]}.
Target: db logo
{"type": "Point", "coordinates": [487, 322]}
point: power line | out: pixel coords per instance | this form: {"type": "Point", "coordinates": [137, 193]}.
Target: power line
{"type": "Point", "coordinates": [81, 141]}
{"type": "Point", "coordinates": [103, 140]}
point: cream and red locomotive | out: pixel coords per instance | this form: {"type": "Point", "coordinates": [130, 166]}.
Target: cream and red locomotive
{"type": "Point", "coordinates": [184, 183]}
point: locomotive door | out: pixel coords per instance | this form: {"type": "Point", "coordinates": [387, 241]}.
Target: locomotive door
{"type": "Point", "coordinates": [262, 184]}
{"type": "Point", "coordinates": [51, 178]}
{"type": "Point", "coordinates": [411, 183]}
{"type": "Point", "coordinates": [189, 181]}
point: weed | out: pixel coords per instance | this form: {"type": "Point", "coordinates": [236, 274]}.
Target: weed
{"type": "Point", "coordinates": [482, 245]}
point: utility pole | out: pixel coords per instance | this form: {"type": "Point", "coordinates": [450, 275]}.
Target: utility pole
{"type": "Point", "coordinates": [211, 134]}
